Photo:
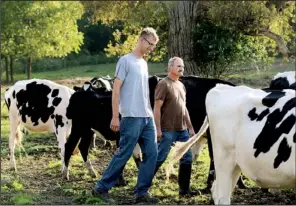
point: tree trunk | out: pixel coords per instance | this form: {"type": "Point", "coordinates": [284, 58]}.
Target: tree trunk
{"type": "Point", "coordinates": [6, 68]}
{"type": "Point", "coordinates": [29, 67]}
{"type": "Point", "coordinates": [182, 20]}
{"type": "Point", "coordinates": [11, 68]}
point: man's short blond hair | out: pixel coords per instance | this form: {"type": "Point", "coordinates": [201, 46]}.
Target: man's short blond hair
{"type": "Point", "coordinates": [148, 31]}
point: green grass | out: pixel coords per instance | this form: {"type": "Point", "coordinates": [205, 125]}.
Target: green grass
{"type": "Point", "coordinates": [22, 199]}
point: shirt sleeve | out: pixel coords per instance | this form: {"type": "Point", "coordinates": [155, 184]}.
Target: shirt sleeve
{"type": "Point", "coordinates": [161, 91]}
{"type": "Point", "coordinates": [121, 69]}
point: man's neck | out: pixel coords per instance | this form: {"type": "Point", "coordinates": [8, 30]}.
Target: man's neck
{"type": "Point", "coordinates": [136, 52]}
{"type": "Point", "coordinates": [173, 77]}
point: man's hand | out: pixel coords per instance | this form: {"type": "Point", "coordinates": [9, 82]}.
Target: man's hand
{"type": "Point", "coordinates": [191, 132]}
{"type": "Point", "coordinates": [159, 134]}
{"type": "Point", "coordinates": [115, 124]}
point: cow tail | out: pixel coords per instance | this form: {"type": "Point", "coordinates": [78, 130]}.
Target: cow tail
{"type": "Point", "coordinates": [181, 148]}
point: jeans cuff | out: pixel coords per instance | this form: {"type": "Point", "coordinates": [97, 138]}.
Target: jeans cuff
{"type": "Point", "coordinates": [100, 188]}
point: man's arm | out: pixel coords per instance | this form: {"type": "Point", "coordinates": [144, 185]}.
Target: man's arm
{"type": "Point", "coordinates": [188, 123]}
{"type": "Point", "coordinates": [115, 104]}
{"type": "Point", "coordinates": [157, 107]}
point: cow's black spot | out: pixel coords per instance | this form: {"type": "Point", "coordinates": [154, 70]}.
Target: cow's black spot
{"type": "Point", "coordinates": [270, 134]}
{"type": "Point", "coordinates": [8, 102]}
{"type": "Point", "coordinates": [284, 153]}
{"type": "Point", "coordinates": [52, 116]}
{"type": "Point", "coordinates": [58, 122]}
{"type": "Point", "coordinates": [279, 83]}
{"type": "Point", "coordinates": [24, 119]}
{"type": "Point", "coordinates": [55, 93]}
{"type": "Point", "coordinates": [33, 102]}
{"type": "Point", "coordinates": [272, 98]}
{"type": "Point", "coordinates": [56, 101]}
{"type": "Point", "coordinates": [294, 138]}
{"type": "Point", "coordinates": [254, 116]}
{"type": "Point", "coordinates": [13, 94]}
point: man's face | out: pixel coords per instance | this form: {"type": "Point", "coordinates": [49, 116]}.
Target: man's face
{"type": "Point", "coordinates": [148, 44]}
{"type": "Point", "coordinates": [178, 67]}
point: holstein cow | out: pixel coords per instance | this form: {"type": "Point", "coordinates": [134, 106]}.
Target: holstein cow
{"type": "Point", "coordinates": [92, 111]}
{"type": "Point", "coordinates": [39, 105]}
{"type": "Point", "coordinates": [252, 131]}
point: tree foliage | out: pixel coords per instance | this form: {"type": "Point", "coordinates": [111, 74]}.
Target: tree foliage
{"type": "Point", "coordinates": [39, 29]}
{"type": "Point", "coordinates": [257, 18]}
{"type": "Point", "coordinates": [133, 16]}
{"type": "Point", "coordinates": [218, 50]}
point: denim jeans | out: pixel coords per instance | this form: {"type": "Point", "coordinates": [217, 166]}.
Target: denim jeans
{"type": "Point", "coordinates": [164, 146]}
{"type": "Point", "coordinates": [133, 130]}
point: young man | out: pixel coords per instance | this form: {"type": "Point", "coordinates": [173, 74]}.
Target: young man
{"type": "Point", "coordinates": [130, 97]}
{"type": "Point", "coordinates": [172, 121]}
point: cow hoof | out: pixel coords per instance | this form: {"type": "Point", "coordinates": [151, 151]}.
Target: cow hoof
{"type": "Point", "coordinates": [93, 174]}
{"type": "Point", "coordinates": [65, 173]}
{"type": "Point", "coordinates": [13, 167]}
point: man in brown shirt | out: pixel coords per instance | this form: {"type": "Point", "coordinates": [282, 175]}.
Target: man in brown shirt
{"type": "Point", "coordinates": [173, 122]}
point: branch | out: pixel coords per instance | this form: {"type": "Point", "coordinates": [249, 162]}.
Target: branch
{"type": "Point", "coordinates": [277, 38]}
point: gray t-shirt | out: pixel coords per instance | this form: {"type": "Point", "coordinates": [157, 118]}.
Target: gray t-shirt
{"type": "Point", "coordinates": [134, 92]}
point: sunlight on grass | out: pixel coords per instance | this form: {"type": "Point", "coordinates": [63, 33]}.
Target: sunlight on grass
{"type": "Point", "coordinates": [22, 199]}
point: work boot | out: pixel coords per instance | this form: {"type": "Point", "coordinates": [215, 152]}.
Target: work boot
{"type": "Point", "coordinates": [103, 196]}
{"type": "Point", "coordinates": [184, 180]}
{"type": "Point", "coordinates": [147, 199]}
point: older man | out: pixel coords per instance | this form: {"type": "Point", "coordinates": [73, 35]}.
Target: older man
{"type": "Point", "coordinates": [173, 121]}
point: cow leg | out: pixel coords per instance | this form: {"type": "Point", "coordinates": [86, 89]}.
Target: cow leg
{"type": "Point", "coordinates": [212, 167]}
{"type": "Point", "coordinates": [14, 137]}
{"type": "Point", "coordinates": [227, 173]}
{"type": "Point", "coordinates": [69, 148]}
{"type": "Point", "coordinates": [84, 146]}
{"type": "Point", "coordinates": [137, 155]}
{"type": "Point", "coordinates": [93, 142]}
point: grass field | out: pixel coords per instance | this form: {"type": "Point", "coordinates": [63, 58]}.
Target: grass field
{"type": "Point", "coordinates": [38, 179]}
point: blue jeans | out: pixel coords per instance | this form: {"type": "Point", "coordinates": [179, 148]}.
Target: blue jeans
{"type": "Point", "coordinates": [133, 130]}
{"type": "Point", "coordinates": [164, 146]}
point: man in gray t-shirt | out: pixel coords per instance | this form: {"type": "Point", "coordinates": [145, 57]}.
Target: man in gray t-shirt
{"type": "Point", "coordinates": [130, 98]}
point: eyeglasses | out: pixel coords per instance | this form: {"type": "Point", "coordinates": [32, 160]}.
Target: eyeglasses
{"type": "Point", "coordinates": [150, 44]}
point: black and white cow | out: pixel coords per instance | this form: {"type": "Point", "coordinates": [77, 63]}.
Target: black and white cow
{"type": "Point", "coordinates": [252, 131]}
{"type": "Point", "coordinates": [283, 80]}
{"type": "Point", "coordinates": [92, 111]}
{"type": "Point", "coordinates": [39, 105]}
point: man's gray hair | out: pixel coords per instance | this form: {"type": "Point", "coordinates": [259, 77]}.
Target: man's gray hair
{"type": "Point", "coordinates": [171, 61]}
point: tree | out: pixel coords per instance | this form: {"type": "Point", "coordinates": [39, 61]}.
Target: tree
{"type": "Point", "coordinates": [218, 51]}
{"type": "Point", "coordinates": [132, 16]}
{"type": "Point", "coordinates": [257, 18]}
{"type": "Point", "coordinates": [265, 23]}
{"type": "Point", "coordinates": [182, 21]}
{"type": "Point", "coordinates": [40, 29]}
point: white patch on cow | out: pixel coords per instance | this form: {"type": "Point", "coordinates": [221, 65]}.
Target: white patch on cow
{"type": "Point", "coordinates": [105, 83]}
{"type": "Point", "coordinates": [289, 75]}
{"type": "Point", "coordinates": [86, 86]}
{"type": "Point", "coordinates": [49, 126]}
